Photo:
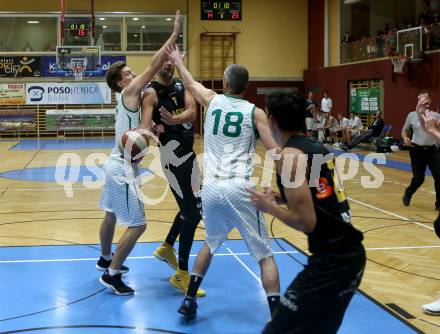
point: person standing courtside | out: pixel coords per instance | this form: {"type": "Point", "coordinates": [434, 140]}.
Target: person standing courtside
{"type": "Point", "coordinates": [424, 153]}
{"type": "Point", "coordinates": [120, 198]}
{"type": "Point", "coordinates": [231, 128]}
{"type": "Point", "coordinates": [316, 300]}
{"type": "Point", "coordinates": [310, 117]}
{"type": "Point", "coordinates": [431, 124]}
{"type": "Point", "coordinates": [326, 103]}
{"type": "Point", "coordinates": [166, 102]}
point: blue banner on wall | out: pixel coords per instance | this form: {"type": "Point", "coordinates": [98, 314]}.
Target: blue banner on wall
{"type": "Point", "coordinates": [49, 67]}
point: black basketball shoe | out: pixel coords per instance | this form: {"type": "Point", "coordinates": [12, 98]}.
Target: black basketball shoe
{"type": "Point", "coordinates": [188, 308]}
{"type": "Point", "coordinates": [115, 284]}
{"type": "Point", "coordinates": [103, 265]}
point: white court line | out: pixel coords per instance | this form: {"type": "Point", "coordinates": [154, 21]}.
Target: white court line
{"type": "Point", "coordinates": [71, 202]}
{"type": "Point", "coordinates": [390, 213]}
{"type": "Point", "coordinates": [74, 188]}
{"type": "Point", "coordinates": [242, 263]}
{"type": "Point", "coordinates": [402, 247]}
{"type": "Point", "coordinates": [404, 185]}
{"type": "Point", "coordinates": [129, 258]}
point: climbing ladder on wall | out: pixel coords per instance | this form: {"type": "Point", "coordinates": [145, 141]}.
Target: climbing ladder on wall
{"type": "Point", "coordinates": [217, 51]}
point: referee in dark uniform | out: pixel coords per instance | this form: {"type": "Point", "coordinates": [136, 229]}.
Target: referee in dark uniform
{"type": "Point", "coordinates": [172, 108]}
{"type": "Point", "coordinates": [316, 300]}
{"type": "Point", "coordinates": [424, 153]}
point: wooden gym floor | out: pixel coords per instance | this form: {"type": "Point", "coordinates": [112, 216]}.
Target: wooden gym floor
{"type": "Point", "coordinates": [403, 268]}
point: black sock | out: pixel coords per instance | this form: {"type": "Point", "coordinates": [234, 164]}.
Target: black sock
{"type": "Point", "coordinates": [185, 242]}
{"type": "Point", "coordinates": [194, 284]}
{"type": "Point", "coordinates": [437, 226]}
{"type": "Point", "coordinates": [273, 299]}
{"type": "Point", "coordinates": [174, 230]}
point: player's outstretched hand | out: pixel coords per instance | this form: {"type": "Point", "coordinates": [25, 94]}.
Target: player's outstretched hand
{"type": "Point", "coordinates": [158, 129]}
{"type": "Point", "coordinates": [173, 53]}
{"type": "Point", "coordinates": [167, 117]}
{"type": "Point", "coordinates": [264, 201]}
{"type": "Point", "coordinates": [177, 19]}
{"type": "Point", "coordinates": [430, 123]}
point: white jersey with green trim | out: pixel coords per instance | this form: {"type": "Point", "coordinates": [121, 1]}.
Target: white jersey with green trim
{"type": "Point", "coordinates": [125, 119]}
{"type": "Point", "coordinates": [229, 138]}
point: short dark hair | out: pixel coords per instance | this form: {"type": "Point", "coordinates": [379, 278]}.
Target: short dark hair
{"type": "Point", "coordinates": [288, 108]}
{"type": "Point", "coordinates": [238, 78]}
{"type": "Point", "coordinates": [113, 75]}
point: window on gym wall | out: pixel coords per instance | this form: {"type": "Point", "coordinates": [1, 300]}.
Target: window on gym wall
{"type": "Point", "coordinates": [148, 33]}
{"type": "Point", "coordinates": [28, 34]}
{"type": "Point", "coordinates": [108, 33]}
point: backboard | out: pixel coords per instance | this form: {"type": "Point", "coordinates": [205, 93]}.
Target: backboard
{"type": "Point", "coordinates": [68, 57]}
{"type": "Point", "coordinates": [410, 43]}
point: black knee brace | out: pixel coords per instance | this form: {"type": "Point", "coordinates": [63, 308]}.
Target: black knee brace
{"type": "Point", "coordinates": [437, 226]}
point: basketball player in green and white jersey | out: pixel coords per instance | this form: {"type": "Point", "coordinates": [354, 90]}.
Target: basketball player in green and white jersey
{"type": "Point", "coordinates": [232, 126]}
{"type": "Point", "coordinates": [120, 199]}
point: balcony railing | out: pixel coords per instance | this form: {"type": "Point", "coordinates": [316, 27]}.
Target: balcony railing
{"type": "Point", "coordinates": [386, 45]}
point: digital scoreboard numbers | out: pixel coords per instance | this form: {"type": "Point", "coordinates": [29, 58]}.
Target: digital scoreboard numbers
{"type": "Point", "coordinates": [221, 10]}
{"type": "Point", "coordinates": [77, 31]}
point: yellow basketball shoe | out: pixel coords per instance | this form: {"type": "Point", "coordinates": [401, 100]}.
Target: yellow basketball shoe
{"type": "Point", "coordinates": [167, 253]}
{"type": "Point", "coordinates": [180, 280]}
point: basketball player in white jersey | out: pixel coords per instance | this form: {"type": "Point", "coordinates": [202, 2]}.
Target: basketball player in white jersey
{"type": "Point", "coordinates": [120, 199]}
{"type": "Point", "coordinates": [232, 125]}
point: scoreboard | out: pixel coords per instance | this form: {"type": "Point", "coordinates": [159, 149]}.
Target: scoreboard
{"type": "Point", "coordinates": [221, 10]}
{"type": "Point", "coordinates": [77, 31]}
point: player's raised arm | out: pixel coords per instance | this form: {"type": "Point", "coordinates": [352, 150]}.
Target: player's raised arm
{"type": "Point", "coordinates": [138, 83]}
{"type": "Point", "coordinates": [201, 94]}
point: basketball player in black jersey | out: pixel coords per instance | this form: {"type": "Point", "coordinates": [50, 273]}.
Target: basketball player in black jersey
{"type": "Point", "coordinates": [316, 300]}
{"type": "Point", "coordinates": [172, 109]}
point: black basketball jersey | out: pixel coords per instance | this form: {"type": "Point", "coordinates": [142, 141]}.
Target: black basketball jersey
{"type": "Point", "coordinates": [333, 232]}
{"type": "Point", "coordinates": [172, 98]}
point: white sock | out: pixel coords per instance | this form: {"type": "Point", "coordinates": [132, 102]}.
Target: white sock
{"type": "Point", "coordinates": [107, 257]}
{"type": "Point", "coordinates": [113, 272]}
{"type": "Point", "coordinates": [273, 294]}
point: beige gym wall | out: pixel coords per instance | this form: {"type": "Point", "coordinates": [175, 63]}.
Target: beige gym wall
{"type": "Point", "coordinates": [272, 42]}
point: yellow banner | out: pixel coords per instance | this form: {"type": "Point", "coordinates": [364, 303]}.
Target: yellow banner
{"type": "Point", "coordinates": [12, 94]}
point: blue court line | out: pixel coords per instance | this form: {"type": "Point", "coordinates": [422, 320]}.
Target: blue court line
{"type": "Point", "coordinates": [65, 294]}
{"type": "Point", "coordinates": [63, 144]}
{"type": "Point", "coordinates": [395, 164]}
{"type": "Point", "coordinates": [61, 173]}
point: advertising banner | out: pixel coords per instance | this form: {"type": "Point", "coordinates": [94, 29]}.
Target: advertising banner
{"type": "Point", "coordinates": [13, 67]}
{"type": "Point", "coordinates": [68, 93]}
{"type": "Point", "coordinates": [12, 94]}
{"type": "Point", "coordinates": [80, 119]}
{"type": "Point", "coordinates": [49, 67]}
{"type": "Point", "coordinates": [365, 100]}
{"type": "Point", "coordinates": [17, 120]}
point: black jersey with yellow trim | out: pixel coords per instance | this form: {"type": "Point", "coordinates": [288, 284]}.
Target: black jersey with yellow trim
{"type": "Point", "coordinates": [172, 98]}
{"type": "Point", "coordinates": [333, 232]}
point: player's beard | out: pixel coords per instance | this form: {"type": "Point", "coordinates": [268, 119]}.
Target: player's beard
{"type": "Point", "coordinates": [167, 73]}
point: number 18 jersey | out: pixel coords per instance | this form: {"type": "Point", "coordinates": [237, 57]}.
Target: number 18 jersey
{"type": "Point", "coordinates": [229, 138]}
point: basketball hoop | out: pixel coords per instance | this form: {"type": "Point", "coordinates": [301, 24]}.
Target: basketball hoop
{"type": "Point", "coordinates": [398, 63]}
{"type": "Point", "coordinates": [78, 66]}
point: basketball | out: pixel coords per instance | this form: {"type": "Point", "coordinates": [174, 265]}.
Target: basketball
{"type": "Point", "coordinates": [132, 143]}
